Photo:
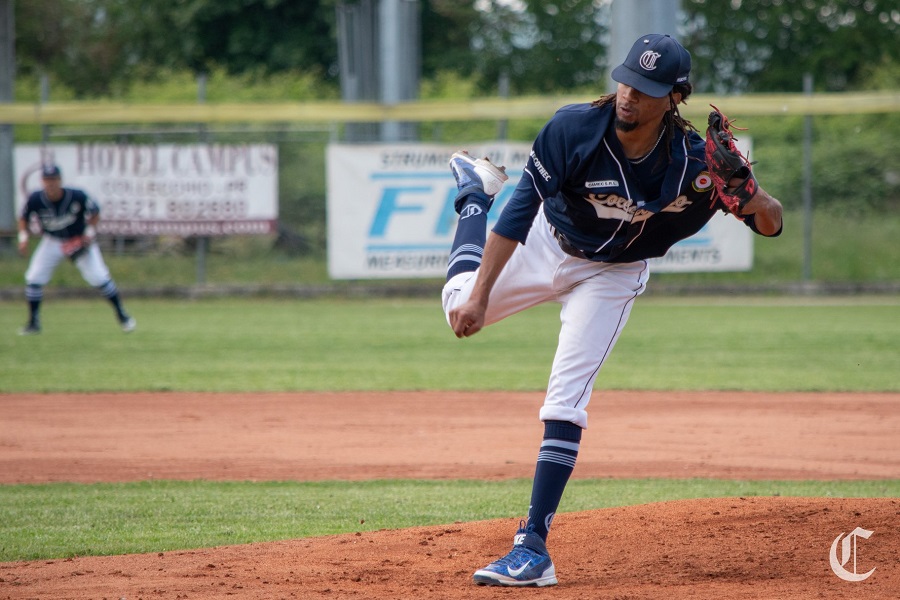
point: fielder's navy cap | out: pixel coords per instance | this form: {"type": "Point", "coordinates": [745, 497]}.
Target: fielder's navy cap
{"type": "Point", "coordinates": [654, 65]}
{"type": "Point", "coordinates": [49, 171]}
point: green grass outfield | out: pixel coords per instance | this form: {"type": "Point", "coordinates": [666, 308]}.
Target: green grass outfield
{"type": "Point", "coordinates": [234, 345]}
{"type": "Point", "coordinates": [767, 344]}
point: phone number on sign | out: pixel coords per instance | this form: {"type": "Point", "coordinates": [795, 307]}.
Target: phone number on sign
{"type": "Point", "coordinates": [174, 210]}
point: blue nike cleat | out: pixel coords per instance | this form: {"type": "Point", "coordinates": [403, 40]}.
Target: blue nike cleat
{"type": "Point", "coordinates": [477, 174]}
{"type": "Point", "coordinates": [527, 565]}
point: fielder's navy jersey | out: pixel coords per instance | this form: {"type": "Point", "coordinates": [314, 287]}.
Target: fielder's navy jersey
{"type": "Point", "coordinates": [599, 202]}
{"type": "Point", "coordinates": [65, 218]}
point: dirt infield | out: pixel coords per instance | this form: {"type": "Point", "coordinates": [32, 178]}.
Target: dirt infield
{"type": "Point", "coordinates": [723, 548]}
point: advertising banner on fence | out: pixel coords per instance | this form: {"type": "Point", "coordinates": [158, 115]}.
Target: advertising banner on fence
{"type": "Point", "coordinates": [390, 213]}
{"type": "Point", "coordinates": [165, 189]}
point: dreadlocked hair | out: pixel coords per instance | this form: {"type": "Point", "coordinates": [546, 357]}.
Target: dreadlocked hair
{"type": "Point", "coordinates": [671, 119]}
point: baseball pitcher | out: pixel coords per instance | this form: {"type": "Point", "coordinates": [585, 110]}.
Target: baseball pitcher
{"type": "Point", "coordinates": [608, 185]}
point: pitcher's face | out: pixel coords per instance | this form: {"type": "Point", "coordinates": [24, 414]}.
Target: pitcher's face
{"type": "Point", "coordinates": [634, 108]}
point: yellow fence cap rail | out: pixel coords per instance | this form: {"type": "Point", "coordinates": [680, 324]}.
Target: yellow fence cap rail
{"type": "Point", "coordinates": [426, 110]}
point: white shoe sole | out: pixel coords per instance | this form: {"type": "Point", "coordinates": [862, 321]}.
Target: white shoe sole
{"type": "Point", "coordinates": [488, 578]}
{"type": "Point", "coordinates": [485, 577]}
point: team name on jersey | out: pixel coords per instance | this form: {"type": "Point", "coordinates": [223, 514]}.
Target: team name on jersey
{"type": "Point", "coordinates": [678, 205]}
{"type": "Point", "coordinates": [52, 222]}
{"type": "Point", "coordinates": [612, 206]}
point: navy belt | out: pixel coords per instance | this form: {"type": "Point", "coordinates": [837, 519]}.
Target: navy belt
{"type": "Point", "coordinates": [564, 243]}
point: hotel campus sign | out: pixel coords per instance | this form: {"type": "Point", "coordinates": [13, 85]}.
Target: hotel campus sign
{"type": "Point", "coordinates": [165, 189]}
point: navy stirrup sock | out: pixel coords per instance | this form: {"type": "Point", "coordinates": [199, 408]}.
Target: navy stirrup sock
{"type": "Point", "coordinates": [471, 233]}
{"type": "Point", "coordinates": [555, 463]}
{"type": "Point", "coordinates": [34, 294]}
{"type": "Point", "coordinates": [110, 291]}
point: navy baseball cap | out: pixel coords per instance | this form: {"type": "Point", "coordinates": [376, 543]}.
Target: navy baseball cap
{"type": "Point", "coordinates": [654, 65]}
{"type": "Point", "coordinates": [50, 171]}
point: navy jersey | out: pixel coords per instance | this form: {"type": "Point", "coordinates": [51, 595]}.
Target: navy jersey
{"type": "Point", "coordinates": [65, 218]}
{"type": "Point", "coordinates": [600, 203]}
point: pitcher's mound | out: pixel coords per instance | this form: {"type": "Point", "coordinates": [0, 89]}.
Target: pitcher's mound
{"type": "Point", "coordinates": [718, 548]}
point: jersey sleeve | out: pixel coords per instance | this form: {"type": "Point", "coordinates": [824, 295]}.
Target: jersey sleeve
{"type": "Point", "coordinates": [542, 178]}
{"type": "Point", "coordinates": [28, 207]}
{"type": "Point", "coordinates": [91, 208]}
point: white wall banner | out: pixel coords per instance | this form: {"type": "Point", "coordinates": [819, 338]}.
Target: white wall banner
{"type": "Point", "coordinates": [390, 213]}
{"type": "Point", "coordinates": [390, 206]}
{"type": "Point", "coordinates": [164, 189]}
{"type": "Point", "coordinates": [724, 244]}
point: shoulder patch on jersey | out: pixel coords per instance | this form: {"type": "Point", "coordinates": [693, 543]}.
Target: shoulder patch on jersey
{"type": "Point", "coordinates": [703, 182]}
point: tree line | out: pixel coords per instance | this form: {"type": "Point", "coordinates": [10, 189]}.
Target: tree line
{"type": "Point", "coordinates": [97, 48]}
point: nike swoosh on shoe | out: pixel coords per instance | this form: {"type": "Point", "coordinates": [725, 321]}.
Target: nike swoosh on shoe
{"type": "Point", "coordinates": [519, 571]}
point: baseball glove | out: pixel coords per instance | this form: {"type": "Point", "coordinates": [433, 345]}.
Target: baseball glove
{"type": "Point", "coordinates": [75, 246]}
{"type": "Point", "coordinates": [726, 163]}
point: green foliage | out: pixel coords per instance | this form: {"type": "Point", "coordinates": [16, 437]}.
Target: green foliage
{"type": "Point", "coordinates": [98, 48]}
{"type": "Point", "coordinates": [448, 85]}
{"type": "Point", "coordinates": [301, 191]}
{"type": "Point", "coordinates": [870, 254]}
{"type": "Point", "coordinates": [171, 86]}
{"type": "Point", "coordinates": [76, 42]}
{"type": "Point", "coordinates": [852, 171]}
{"type": "Point", "coordinates": [28, 89]}
{"type": "Point", "coordinates": [246, 35]}
{"type": "Point", "coordinates": [567, 49]}
{"type": "Point", "coordinates": [61, 520]}
{"type": "Point", "coordinates": [847, 344]}
{"type": "Point", "coordinates": [541, 47]}
{"type": "Point", "coordinates": [163, 86]}
{"type": "Point", "coordinates": [446, 32]}
{"type": "Point", "coordinates": [884, 75]}
{"type": "Point", "coordinates": [767, 45]}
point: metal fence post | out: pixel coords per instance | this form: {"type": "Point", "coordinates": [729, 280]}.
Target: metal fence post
{"type": "Point", "coordinates": [7, 76]}
{"type": "Point", "coordinates": [807, 184]}
{"type": "Point", "coordinates": [203, 136]}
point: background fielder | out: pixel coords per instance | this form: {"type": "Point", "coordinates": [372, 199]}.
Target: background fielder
{"type": "Point", "coordinates": [67, 218]}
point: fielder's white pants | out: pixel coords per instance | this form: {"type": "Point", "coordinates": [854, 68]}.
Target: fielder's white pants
{"type": "Point", "coordinates": [596, 300]}
{"type": "Point", "coordinates": [48, 255]}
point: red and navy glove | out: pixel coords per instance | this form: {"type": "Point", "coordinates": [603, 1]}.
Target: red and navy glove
{"type": "Point", "coordinates": [726, 163]}
{"type": "Point", "coordinates": [75, 246]}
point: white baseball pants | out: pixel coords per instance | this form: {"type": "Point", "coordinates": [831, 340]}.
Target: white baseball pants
{"type": "Point", "coordinates": [48, 255]}
{"type": "Point", "coordinates": [596, 300]}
